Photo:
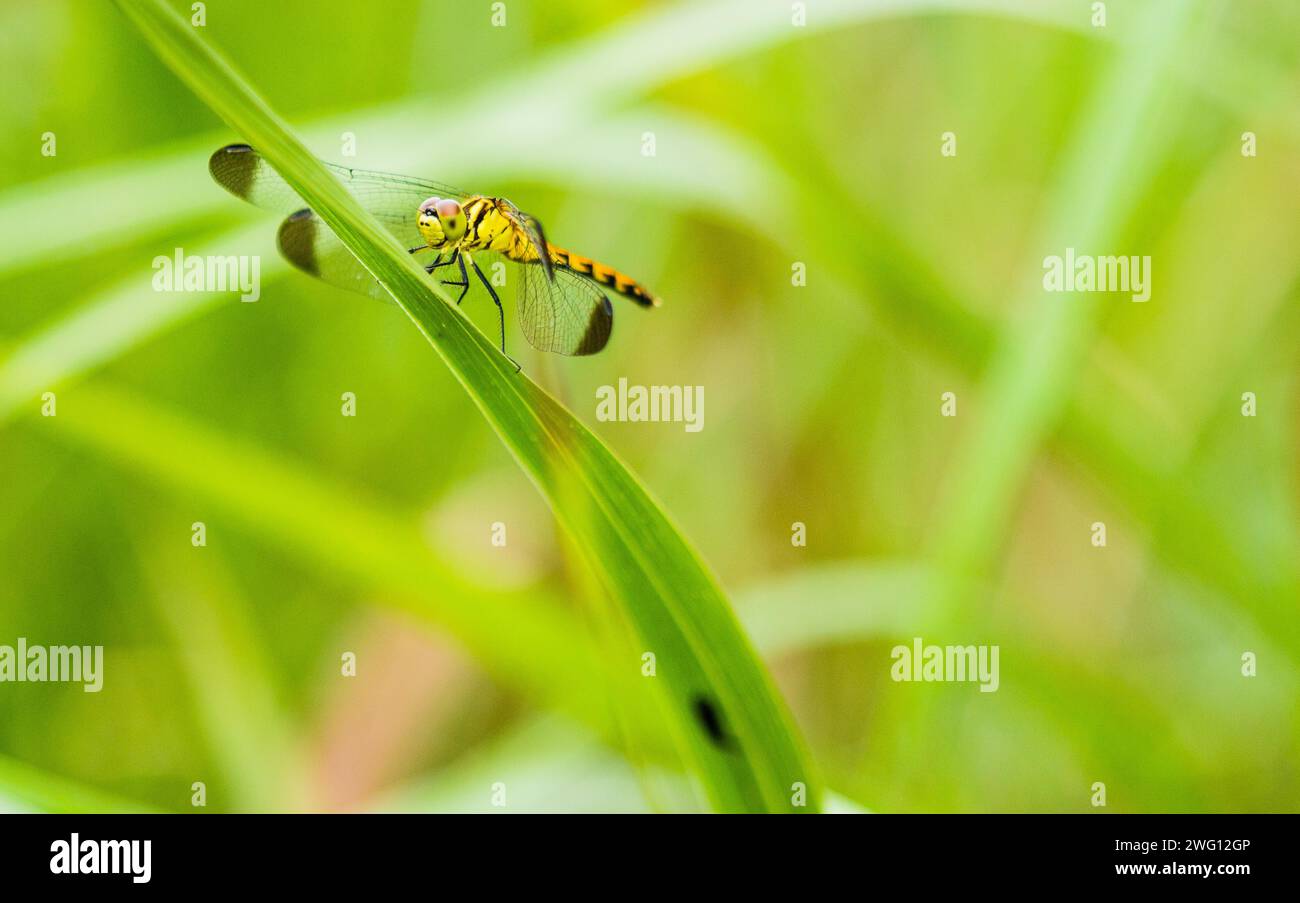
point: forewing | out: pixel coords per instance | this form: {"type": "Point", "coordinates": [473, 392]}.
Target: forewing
{"type": "Point", "coordinates": [566, 314]}
{"type": "Point", "coordinates": [305, 240]}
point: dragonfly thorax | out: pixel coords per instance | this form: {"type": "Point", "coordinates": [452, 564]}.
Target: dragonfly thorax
{"type": "Point", "coordinates": [480, 223]}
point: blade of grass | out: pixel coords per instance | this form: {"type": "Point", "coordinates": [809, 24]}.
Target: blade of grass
{"type": "Point", "coordinates": [249, 731]}
{"type": "Point", "coordinates": [76, 344]}
{"type": "Point", "coordinates": [1032, 372]}
{"type": "Point", "coordinates": [629, 542]}
{"type": "Point", "coordinates": [119, 318]}
{"type": "Point", "coordinates": [285, 505]}
{"type": "Point", "coordinates": [525, 640]}
{"type": "Point", "coordinates": [925, 310]}
{"type": "Point", "coordinates": [282, 502]}
{"type": "Point", "coordinates": [1096, 706]}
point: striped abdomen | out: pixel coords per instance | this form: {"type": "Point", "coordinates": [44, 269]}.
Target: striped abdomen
{"type": "Point", "coordinates": [602, 274]}
{"type": "Point", "coordinates": [491, 225]}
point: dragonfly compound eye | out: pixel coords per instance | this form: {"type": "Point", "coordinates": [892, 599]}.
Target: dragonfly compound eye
{"type": "Point", "coordinates": [452, 218]}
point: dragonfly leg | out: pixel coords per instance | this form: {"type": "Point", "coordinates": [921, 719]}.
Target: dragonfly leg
{"type": "Point", "coordinates": [413, 250]}
{"type": "Point", "coordinates": [463, 285]}
{"type": "Point", "coordinates": [455, 255]}
{"type": "Point", "coordinates": [501, 311]}
{"type": "Point", "coordinates": [429, 267]}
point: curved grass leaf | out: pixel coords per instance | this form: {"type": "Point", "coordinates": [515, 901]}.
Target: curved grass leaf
{"type": "Point", "coordinates": [735, 734]}
{"type": "Point", "coordinates": [255, 743]}
{"type": "Point", "coordinates": [928, 311]}
{"type": "Point", "coordinates": [523, 639]}
{"type": "Point", "coordinates": [1032, 373]}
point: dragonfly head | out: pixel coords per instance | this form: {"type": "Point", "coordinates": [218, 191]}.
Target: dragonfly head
{"type": "Point", "coordinates": [442, 221]}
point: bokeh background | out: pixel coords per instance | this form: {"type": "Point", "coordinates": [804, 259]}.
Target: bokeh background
{"type": "Point", "coordinates": [775, 144]}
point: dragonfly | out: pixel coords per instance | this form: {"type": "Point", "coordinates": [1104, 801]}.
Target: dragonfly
{"type": "Point", "coordinates": [562, 297]}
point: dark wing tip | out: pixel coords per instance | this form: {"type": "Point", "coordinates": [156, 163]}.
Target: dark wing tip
{"type": "Point", "coordinates": [232, 167]}
{"type": "Point", "coordinates": [710, 720]}
{"type": "Point", "coordinates": [297, 241]}
{"type": "Point", "coordinates": [599, 328]}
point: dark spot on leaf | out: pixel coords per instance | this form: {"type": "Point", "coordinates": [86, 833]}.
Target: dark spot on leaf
{"type": "Point", "coordinates": [706, 713]}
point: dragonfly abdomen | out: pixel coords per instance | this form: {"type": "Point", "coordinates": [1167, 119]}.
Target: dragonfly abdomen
{"type": "Point", "coordinates": [602, 274]}
{"type": "Point", "coordinates": [490, 227]}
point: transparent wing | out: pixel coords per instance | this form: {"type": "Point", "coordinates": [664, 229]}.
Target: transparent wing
{"type": "Point", "coordinates": [559, 310]}
{"type": "Point", "coordinates": [567, 314]}
{"type": "Point", "coordinates": [305, 240]}
{"type": "Point", "coordinates": [311, 246]}
{"type": "Point", "coordinates": [247, 175]}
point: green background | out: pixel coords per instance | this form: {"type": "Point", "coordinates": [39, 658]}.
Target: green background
{"type": "Point", "coordinates": [774, 145]}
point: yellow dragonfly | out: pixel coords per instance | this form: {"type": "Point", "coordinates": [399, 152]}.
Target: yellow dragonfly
{"type": "Point", "coordinates": [561, 296]}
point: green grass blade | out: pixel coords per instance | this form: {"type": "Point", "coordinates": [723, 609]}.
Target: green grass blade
{"type": "Point", "coordinates": [522, 639]}
{"type": "Point", "coordinates": [1032, 374]}
{"type": "Point", "coordinates": [252, 737]}
{"type": "Point", "coordinates": [641, 559]}
{"type": "Point", "coordinates": [110, 323]}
